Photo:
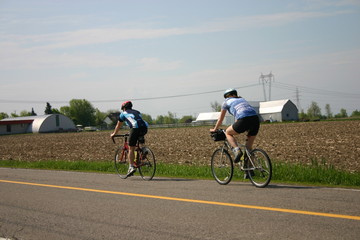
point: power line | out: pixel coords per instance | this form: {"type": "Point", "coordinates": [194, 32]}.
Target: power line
{"type": "Point", "coordinates": [315, 90]}
{"type": "Point", "coordinates": [280, 85]}
{"type": "Point", "coordinates": [119, 100]}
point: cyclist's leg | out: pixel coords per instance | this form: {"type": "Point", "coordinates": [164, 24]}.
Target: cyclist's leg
{"type": "Point", "coordinates": [254, 125]}
{"type": "Point", "coordinates": [141, 138]}
{"type": "Point", "coordinates": [250, 142]}
{"type": "Point", "coordinates": [133, 137]}
{"type": "Point", "coordinates": [230, 132]}
{"type": "Point", "coordinates": [132, 155]}
{"type": "Point", "coordinates": [237, 128]}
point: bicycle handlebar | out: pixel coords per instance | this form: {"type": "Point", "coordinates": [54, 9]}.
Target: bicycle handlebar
{"type": "Point", "coordinates": [119, 135]}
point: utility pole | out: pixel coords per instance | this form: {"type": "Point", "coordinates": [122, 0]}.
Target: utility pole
{"type": "Point", "coordinates": [298, 99]}
{"type": "Point", "coordinates": [267, 79]}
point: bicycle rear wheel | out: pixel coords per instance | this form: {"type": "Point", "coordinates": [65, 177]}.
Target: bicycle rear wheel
{"type": "Point", "coordinates": [121, 163]}
{"type": "Point", "coordinates": [147, 166]}
{"type": "Point", "coordinates": [222, 167]}
{"type": "Point", "coordinates": [259, 169]}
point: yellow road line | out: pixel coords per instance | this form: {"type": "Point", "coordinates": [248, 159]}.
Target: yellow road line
{"type": "Point", "coordinates": [193, 201]}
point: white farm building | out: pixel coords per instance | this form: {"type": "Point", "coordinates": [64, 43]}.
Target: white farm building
{"type": "Point", "coordinates": [212, 117]}
{"type": "Point", "coordinates": [36, 124]}
{"type": "Point", "coordinates": [276, 111]}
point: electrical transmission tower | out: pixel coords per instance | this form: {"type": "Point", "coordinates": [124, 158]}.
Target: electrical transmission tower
{"type": "Point", "coordinates": [267, 79]}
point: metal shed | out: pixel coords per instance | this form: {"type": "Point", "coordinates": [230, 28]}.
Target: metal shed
{"type": "Point", "coordinates": [36, 124]}
{"type": "Point", "coordinates": [278, 111]}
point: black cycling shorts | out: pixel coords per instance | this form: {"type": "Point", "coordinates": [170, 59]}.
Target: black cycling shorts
{"type": "Point", "coordinates": [250, 124]}
{"type": "Point", "coordinates": [135, 134]}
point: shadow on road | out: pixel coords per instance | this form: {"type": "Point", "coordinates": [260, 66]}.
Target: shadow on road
{"type": "Point", "coordinates": [172, 180]}
{"type": "Point", "coordinates": [291, 187]}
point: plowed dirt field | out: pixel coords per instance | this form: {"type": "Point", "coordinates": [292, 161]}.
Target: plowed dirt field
{"type": "Point", "coordinates": [336, 143]}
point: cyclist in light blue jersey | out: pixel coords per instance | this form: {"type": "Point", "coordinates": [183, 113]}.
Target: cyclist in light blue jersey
{"type": "Point", "coordinates": [138, 129]}
{"type": "Point", "coordinates": [246, 119]}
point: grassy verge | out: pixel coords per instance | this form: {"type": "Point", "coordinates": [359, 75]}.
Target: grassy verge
{"type": "Point", "coordinates": [282, 173]}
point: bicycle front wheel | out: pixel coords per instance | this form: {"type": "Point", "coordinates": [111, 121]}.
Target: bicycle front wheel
{"type": "Point", "coordinates": [222, 167]}
{"type": "Point", "coordinates": [121, 163]}
{"type": "Point", "coordinates": [147, 166]}
{"type": "Point", "coordinates": [259, 168]}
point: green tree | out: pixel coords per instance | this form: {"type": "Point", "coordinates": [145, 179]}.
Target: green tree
{"type": "Point", "coordinates": [342, 114]}
{"type": "Point", "coordinates": [314, 110]}
{"type": "Point", "coordinates": [355, 113]}
{"type": "Point", "coordinates": [328, 111]}
{"type": "Point", "coordinates": [99, 117]}
{"type": "Point", "coordinates": [3, 115]}
{"type": "Point", "coordinates": [303, 116]}
{"type": "Point", "coordinates": [14, 114]}
{"type": "Point", "coordinates": [55, 111]}
{"type": "Point", "coordinates": [33, 112]}
{"type": "Point", "coordinates": [160, 119]}
{"type": "Point", "coordinates": [147, 118]}
{"type": "Point", "coordinates": [48, 109]}
{"type": "Point", "coordinates": [65, 110]}
{"type": "Point", "coordinates": [170, 119]}
{"type": "Point", "coordinates": [186, 119]}
{"type": "Point", "coordinates": [25, 113]}
{"type": "Point", "coordinates": [82, 112]}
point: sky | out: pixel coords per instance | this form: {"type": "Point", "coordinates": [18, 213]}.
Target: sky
{"type": "Point", "coordinates": [178, 56]}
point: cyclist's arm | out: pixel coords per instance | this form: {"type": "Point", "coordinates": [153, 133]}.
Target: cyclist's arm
{"type": "Point", "coordinates": [117, 128]}
{"type": "Point", "coordinates": [219, 121]}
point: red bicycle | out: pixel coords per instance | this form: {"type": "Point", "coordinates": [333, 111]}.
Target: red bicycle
{"type": "Point", "coordinates": [144, 158]}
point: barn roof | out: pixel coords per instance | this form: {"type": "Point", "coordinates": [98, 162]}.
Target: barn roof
{"type": "Point", "coordinates": [26, 118]}
{"type": "Point", "coordinates": [208, 116]}
{"type": "Point", "coordinates": [272, 106]}
{"type": "Point", "coordinates": [7, 122]}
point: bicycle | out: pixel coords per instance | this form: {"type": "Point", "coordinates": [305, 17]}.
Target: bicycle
{"type": "Point", "coordinates": [255, 163]}
{"type": "Point", "coordinates": [144, 159]}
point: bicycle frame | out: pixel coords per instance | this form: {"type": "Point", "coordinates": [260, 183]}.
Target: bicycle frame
{"type": "Point", "coordinates": [243, 147]}
{"type": "Point", "coordinates": [126, 149]}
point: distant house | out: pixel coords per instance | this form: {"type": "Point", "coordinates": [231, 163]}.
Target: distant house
{"type": "Point", "coordinates": [111, 119]}
{"type": "Point", "coordinates": [36, 124]}
{"type": "Point", "coordinates": [280, 110]}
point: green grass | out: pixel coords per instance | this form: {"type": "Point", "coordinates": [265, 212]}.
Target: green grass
{"type": "Point", "coordinates": [316, 174]}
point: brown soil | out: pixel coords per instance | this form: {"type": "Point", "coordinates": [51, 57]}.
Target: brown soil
{"type": "Point", "coordinates": [335, 143]}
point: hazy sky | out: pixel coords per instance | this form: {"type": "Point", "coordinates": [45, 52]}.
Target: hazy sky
{"type": "Point", "coordinates": [177, 55]}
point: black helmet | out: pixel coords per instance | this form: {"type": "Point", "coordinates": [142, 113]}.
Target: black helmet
{"type": "Point", "coordinates": [230, 91]}
{"type": "Point", "coordinates": [126, 105]}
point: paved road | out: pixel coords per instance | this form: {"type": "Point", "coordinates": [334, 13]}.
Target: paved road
{"type": "Point", "coordinates": [38, 204]}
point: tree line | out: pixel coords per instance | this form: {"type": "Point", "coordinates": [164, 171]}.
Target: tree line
{"type": "Point", "coordinates": [314, 112]}
{"type": "Point", "coordinates": [83, 113]}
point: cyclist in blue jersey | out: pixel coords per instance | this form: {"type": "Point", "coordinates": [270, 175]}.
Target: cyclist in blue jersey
{"type": "Point", "coordinates": [138, 128]}
{"type": "Point", "coordinates": [246, 119]}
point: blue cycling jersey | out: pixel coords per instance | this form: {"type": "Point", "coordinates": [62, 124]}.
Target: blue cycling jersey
{"type": "Point", "coordinates": [238, 107]}
{"type": "Point", "coordinates": [133, 119]}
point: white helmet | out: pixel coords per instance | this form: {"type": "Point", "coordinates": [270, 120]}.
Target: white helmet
{"type": "Point", "coordinates": [230, 91]}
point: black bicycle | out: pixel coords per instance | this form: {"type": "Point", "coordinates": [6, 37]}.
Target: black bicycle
{"type": "Point", "coordinates": [255, 163]}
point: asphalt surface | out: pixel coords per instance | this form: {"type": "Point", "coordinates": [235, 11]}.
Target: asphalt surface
{"type": "Point", "coordinates": [39, 204]}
